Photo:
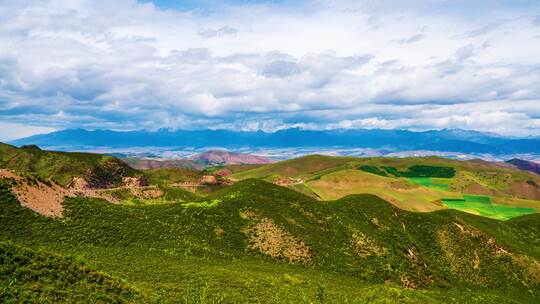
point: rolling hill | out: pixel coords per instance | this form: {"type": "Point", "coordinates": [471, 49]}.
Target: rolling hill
{"type": "Point", "coordinates": [223, 157]}
{"type": "Point", "coordinates": [200, 161]}
{"type": "Point", "coordinates": [316, 229]}
{"type": "Point", "coordinates": [62, 167]}
{"type": "Point", "coordinates": [525, 165]}
{"type": "Point", "coordinates": [256, 242]}
{"type": "Point", "coordinates": [416, 184]}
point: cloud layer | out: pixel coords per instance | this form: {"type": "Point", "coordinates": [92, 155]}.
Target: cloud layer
{"type": "Point", "coordinates": [319, 64]}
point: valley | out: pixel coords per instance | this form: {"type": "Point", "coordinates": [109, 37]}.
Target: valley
{"type": "Point", "coordinates": [315, 229]}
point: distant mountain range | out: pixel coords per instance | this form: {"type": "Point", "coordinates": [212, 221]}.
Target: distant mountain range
{"type": "Point", "coordinates": [461, 141]}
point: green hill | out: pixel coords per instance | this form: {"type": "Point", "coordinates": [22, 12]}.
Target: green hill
{"type": "Point", "coordinates": [61, 167]}
{"type": "Point", "coordinates": [415, 184]}
{"type": "Point", "coordinates": [257, 242]}
{"type": "Point", "coordinates": [29, 276]}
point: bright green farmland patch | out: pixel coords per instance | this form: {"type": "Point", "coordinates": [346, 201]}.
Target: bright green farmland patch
{"type": "Point", "coordinates": [477, 199]}
{"type": "Point", "coordinates": [437, 184]}
{"type": "Point", "coordinates": [482, 205]}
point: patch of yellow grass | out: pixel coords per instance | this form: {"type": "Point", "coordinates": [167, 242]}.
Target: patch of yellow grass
{"type": "Point", "coordinates": [406, 196]}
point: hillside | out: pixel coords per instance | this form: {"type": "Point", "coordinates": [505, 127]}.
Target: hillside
{"type": "Point", "coordinates": [256, 242]}
{"type": "Point", "coordinates": [61, 167]}
{"type": "Point", "coordinates": [200, 161]}
{"type": "Point", "coordinates": [222, 157]}
{"type": "Point", "coordinates": [30, 276]}
{"type": "Point", "coordinates": [316, 229]}
{"type": "Point", "coordinates": [416, 184]}
{"type": "Point", "coordinates": [526, 165]}
{"type": "Point", "coordinates": [147, 164]}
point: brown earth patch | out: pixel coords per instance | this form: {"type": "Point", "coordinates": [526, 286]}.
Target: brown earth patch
{"type": "Point", "coordinates": [525, 190]}
{"type": "Point", "coordinates": [46, 197]}
{"type": "Point", "coordinates": [208, 180]}
{"type": "Point", "coordinates": [477, 189]}
{"type": "Point", "coordinates": [134, 182]}
{"type": "Point", "coordinates": [147, 192]}
{"type": "Point", "coordinates": [8, 174]}
{"type": "Point", "coordinates": [290, 171]}
{"type": "Point", "coordinates": [288, 181]}
{"type": "Point", "coordinates": [268, 238]}
{"type": "Point", "coordinates": [78, 183]}
{"type": "Point", "coordinates": [34, 194]}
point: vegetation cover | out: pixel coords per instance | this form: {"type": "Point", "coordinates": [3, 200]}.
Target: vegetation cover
{"type": "Point", "coordinates": [30, 276]}
{"type": "Point", "coordinates": [354, 250]}
{"type": "Point", "coordinates": [415, 184]}
{"type": "Point", "coordinates": [61, 167]}
{"type": "Point", "coordinates": [330, 238]}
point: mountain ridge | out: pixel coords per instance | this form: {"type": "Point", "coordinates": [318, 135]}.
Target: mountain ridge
{"type": "Point", "coordinates": [460, 141]}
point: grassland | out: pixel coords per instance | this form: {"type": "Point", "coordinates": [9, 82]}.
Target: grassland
{"type": "Point", "coordinates": [61, 167]}
{"type": "Point", "coordinates": [483, 206]}
{"type": "Point", "coordinates": [415, 184]}
{"type": "Point", "coordinates": [358, 249]}
{"type": "Point", "coordinates": [332, 238]}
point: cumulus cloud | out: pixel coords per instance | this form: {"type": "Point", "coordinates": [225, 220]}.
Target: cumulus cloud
{"type": "Point", "coordinates": [330, 64]}
{"type": "Point", "coordinates": [412, 39]}
{"type": "Point", "coordinates": [222, 31]}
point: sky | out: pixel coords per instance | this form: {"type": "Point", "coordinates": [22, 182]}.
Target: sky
{"type": "Point", "coordinates": [269, 65]}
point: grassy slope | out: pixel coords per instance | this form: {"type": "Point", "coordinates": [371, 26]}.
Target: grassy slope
{"type": "Point", "coordinates": [335, 177]}
{"type": "Point", "coordinates": [28, 276]}
{"type": "Point", "coordinates": [307, 166]}
{"type": "Point", "coordinates": [199, 253]}
{"type": "Point", "coordinates": [58, 166]}
{"type": "Point", "coordinates": [398, 191]}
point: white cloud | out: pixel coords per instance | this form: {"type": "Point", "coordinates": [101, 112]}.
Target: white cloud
{"type": "Point", "coordinates": [11, 131]}
{"type": "Point", "coordinates": [325, 64]}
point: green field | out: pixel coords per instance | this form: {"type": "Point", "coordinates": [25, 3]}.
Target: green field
{"type": "Point", "coordinates": [415, 184]}
{"type": "Point", "coordinates": [482, 205]}
{"type": "Point", "coordinates": [437, 184]}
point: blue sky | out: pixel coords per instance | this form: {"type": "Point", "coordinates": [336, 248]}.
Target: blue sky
{"type": "Point", "coordinates": [248, 65]}
{"type": "Point", "coordinates": [210, 4]}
